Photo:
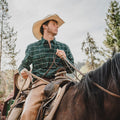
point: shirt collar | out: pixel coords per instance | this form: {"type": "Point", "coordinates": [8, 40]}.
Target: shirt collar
{"type": "Point", "coordinates": [43, 41]}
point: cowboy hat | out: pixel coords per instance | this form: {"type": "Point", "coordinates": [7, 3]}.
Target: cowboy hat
{"type": "Point", "coordinates": [37, 25]}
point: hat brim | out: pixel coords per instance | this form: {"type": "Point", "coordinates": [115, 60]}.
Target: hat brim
{"type": "Point", "coordinates": [37, 25]}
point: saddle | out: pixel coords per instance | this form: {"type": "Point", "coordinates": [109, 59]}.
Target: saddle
{"type": "Point", "coordinates": [54, 92]}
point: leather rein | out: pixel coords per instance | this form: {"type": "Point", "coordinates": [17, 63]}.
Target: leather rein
{"type": "Point", "coordinates": [94, 83]}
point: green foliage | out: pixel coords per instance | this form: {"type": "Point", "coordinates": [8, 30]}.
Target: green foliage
{"type": "Point", "coordinates": [91, 50]}
{"type": "Point", "coordinates": [112, 41]}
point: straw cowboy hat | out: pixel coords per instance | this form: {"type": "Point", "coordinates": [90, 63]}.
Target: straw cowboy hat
{"type": "Point", "coordinates": [37, 25]}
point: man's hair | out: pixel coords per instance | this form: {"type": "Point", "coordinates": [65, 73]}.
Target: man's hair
{"type": "Point", "coordinates": [45, 23]}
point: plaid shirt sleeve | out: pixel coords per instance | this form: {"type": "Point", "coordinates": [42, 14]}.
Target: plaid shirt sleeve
{"type": "Point", "coordinates": [27, 60]}
{"type": "Point", "coordinates": [70, 59]}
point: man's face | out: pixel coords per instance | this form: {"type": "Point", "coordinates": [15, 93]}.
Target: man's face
{"type": "Point", "coordinates": [52, 28]}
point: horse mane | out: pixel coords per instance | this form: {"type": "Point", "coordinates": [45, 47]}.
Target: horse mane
{"type": "Point", "coordinates": [93, 96]}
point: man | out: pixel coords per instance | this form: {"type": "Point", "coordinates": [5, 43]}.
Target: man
{"type": "Point", "coordinates": [41, 55]}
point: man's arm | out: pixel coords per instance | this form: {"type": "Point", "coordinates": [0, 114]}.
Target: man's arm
{"type": "Point", "coordinates": [25, 63]}
{"type": "Point", "coordinates": [68, 55]}
{"type": "Point", "coordinates": [70, 58]}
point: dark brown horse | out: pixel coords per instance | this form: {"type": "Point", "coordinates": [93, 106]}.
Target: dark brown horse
{"type": "Point", "coordinates": [85, 101]}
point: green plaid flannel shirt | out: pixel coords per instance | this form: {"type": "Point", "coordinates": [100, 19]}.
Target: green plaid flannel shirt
{"type": "Point", "coordinates": [41, 56]}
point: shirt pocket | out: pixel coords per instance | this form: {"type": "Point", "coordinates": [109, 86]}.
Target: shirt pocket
{"type": "Point", "coordinates": [40, 61]}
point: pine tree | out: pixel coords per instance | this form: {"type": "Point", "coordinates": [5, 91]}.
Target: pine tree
{"type": "Point", "coordinates": [3, 24]}
{"type": "Point", "coordinates": [8, 38]}
{"type": "Point", "coordinates": [91, 50]}
{"type": "Point", "coordinates": [10, 49]}
{"type": "Point", "coordinates": [3, 17]}
{"type": "Point", "coordinates": [112, 41]}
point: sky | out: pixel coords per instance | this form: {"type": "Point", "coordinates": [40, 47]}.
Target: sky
{"type": "Point", "coordinates": [80, 16]}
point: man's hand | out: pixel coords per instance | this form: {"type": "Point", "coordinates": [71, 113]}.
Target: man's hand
{"type": "Point", "coordinates": [60, 53]}
{"type": "Point", "coordinates": [24, 73]}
